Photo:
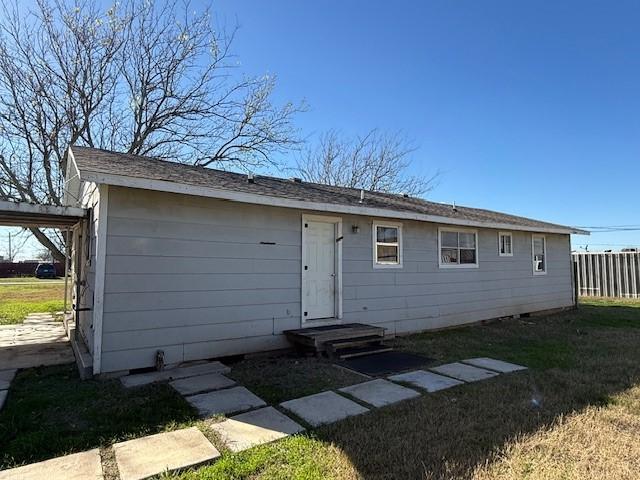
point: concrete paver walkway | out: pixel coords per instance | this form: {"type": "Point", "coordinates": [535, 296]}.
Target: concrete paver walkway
{"type": "Point", "coordinates": [255, 428]}
{"type": "Point", "coordinates": [463, 372]}
{"type": "Point", "coordinates": [231, 400]}
{"type": "Point", "coordinates": [322, 408]}
{"type": "Point", "coordinates": [496, 365]}
{"type": "Point", "coordinates": [40, 340]}
{"type": "Point", "coordinates": [380, 393]}
{"type": "Point", "coordinates": [147, 456]}
{"type": "Point", "coordinates": [431, 382]}
{"type": "Point", "coordinates": [78, 466]}
{"type": "Point", "coordinates": [140, 379]}
{"type": "Point", "coordinates": [6, 376]}
{"type": "Point", "coordinates": [201, 383]}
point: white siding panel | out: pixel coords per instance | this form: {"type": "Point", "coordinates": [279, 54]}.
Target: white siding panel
{"type": "Point", "coordinates": [201, 278]}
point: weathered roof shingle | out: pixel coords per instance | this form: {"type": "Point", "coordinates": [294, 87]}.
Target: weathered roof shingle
{"type": "Point", "coordinates": [95, 161]}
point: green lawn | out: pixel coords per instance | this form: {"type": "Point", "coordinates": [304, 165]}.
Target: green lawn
{"type": "Point", "coordinates": [575, 414]}
{"type": "Point", "coordinates": [17, 301]}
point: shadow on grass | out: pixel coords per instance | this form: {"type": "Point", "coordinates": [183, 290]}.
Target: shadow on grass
{"type": "Point", "coordinates": [51, 412]}
{"type": "Point", "coordinates": [577, 359]}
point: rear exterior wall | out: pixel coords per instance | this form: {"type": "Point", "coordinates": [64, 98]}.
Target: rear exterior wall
{"type": "Point", "coordinates": [202, 278]}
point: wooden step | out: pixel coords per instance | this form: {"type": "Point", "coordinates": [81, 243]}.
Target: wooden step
{"type": "Point", "coordinates": [317, 337]}
{"type": "Point", "coordinates": [352, 342]}
{"type": "Point", "coordinates": [362, 351]}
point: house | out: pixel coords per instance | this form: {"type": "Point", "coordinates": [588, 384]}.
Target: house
{"type": "Point", "coordinates": [200, 263]}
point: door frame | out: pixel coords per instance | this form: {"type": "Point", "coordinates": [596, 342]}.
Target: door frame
{"type": "Point", "coordinates": [337, 221]}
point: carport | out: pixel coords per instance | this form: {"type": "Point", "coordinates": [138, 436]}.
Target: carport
{"type": "Point", "coordinates": [22, 354]}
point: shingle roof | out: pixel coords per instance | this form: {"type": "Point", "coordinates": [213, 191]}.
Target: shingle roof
{"type": "Point", "coordinates": [96, 162]}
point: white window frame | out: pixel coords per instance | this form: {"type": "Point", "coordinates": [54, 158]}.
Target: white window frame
{"type": "Point", "coordinates": [505, 234]}
{"type": "Point", "coordinates": [374, 238]}
{"type": "Point", "coordinates": [457, 265]}
{"type": "Point", "coordinates": [546, 256]}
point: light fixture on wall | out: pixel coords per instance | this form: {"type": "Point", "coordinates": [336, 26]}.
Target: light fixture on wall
{"type": "Point", "coordinates": [355, 228]}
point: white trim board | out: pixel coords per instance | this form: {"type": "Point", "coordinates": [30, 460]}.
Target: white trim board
{"type": "Point", "coordinates": [337, 221]}
{"type": "Point", "coordinates": [374, 239]}
{"type": "Point", "coordinates": [254, 198]}
{"type": "Point", "coordinates": [100, 271]}
{"type": "Point", "coordinates": [454, 266]}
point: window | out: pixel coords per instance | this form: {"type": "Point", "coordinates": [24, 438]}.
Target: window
{"type": "Point", "coordinates": [505, 244]}
{"type": "Point", "coordinates": [458, 248]}
{"type": "Point", "coordinates": [539, 254]}
{"type": "Point", "coordinates": [387, 245]}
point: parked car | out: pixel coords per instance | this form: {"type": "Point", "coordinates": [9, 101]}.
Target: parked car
{"type": "Point", "coordinates": [45, 270]}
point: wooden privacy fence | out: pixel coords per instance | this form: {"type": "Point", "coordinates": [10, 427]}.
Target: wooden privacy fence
{"type": "Point", "coordinates": [607, 274]}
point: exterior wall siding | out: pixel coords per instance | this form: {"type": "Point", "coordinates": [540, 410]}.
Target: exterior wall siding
{"type": "Point", "coordinates": [90, 199]}
{"type": "Point", "coordinates": [201, 278]}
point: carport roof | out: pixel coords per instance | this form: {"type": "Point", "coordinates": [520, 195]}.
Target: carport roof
{"type": "Point", "coordinates": [20, 214]}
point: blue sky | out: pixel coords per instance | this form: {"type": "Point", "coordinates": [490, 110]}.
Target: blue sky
{"type": "Point", "coordinates": [526, 107]}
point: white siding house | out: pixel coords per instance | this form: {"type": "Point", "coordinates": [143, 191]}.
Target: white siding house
{"type": "Point", "coordinates": [203, 270]}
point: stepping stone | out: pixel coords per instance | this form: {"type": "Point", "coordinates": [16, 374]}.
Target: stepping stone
{"type": "Point", "coordinates": [173, 373]}
{"type": "Point", "coordinates": [3, 397]}
{"type": "Point", "coordinates": [255, 428]}
{"type": "Point", "coordinates": [497, 365]}
{"type": "Point", "coordinates": [463, 372]}
{"type": "Point", "coordinates": [6, 376]}
{"type": "Point", "coordinates": [380, 393]}
{"type": "Point", "coordinates": [201, 383]}
{"type": "Point", "coordinates": [236, 399]}
{"type": "Point", "coordinates": [322, 408]}
{"type": "Point", "coordinates": [155, 454]}
{"type": "Point", "coordinates": [431, 382]}
{"type": "Point", "coordinates": [78, 466]}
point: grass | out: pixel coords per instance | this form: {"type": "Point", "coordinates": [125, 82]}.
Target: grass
{"type": "Point", "coordinates": [50, 412]}
{"type": "Point", "coordinates": [291, 377]}
{"type": "Point", "coordinates": [17, 301]}
{"type": "Point", "coordinates": [575, 414]}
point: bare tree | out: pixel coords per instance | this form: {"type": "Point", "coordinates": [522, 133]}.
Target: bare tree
{"type": "Point", "coordinates": [141, 77]}
{"type": "Point", "coordinates": [376, 161]}
{"type": "Point", "coordinates": [13, 242]}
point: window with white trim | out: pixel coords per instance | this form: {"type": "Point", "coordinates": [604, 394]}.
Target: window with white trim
{"type": "Point", "coordinates": [539, 254]}
{"type": "Point", "coordinates": [458, 248]}
{"type": "Point", "coordinates": [505, 244]}
{"type": "Point", "coordinates": [387, 245]}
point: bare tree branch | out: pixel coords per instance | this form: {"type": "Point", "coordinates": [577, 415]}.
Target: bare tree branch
{"type": "Point", "coordinates": [376, 161]}
{"type": "Point", "coordinates": [144, 77]}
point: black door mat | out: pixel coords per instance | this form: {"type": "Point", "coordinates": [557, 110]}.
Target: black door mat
{"type": "Point", "coordinates": [386, 363]}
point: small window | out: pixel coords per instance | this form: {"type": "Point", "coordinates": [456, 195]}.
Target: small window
{"type": "Point", "coordinates": [539, 254]}
{"type": "Point", "coordinates": [505, 244]}
{"type": "Point", "coordinates": [387, 245]}
{"type": "Point", "coordinates": [458, 248]}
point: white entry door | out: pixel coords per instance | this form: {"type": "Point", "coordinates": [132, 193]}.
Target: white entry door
{"type": "Point", "coordinates": [318, 269]}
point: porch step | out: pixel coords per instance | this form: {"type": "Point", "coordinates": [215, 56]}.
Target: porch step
{"type": "Point", "coordinates": [356, 346]}
{"type": "Point", "coordinates": [352, 342]}
{"type": "Point", "coordinates": [317, 337]}
{"type": "Point", "coordinates": [362, 351]}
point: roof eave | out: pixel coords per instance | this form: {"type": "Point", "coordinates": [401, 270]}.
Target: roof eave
{"type": "Point", "coordinates": [258, 199]}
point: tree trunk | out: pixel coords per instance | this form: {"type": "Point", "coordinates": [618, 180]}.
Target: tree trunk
{"type": "Point", "coordinates": [48, 244]}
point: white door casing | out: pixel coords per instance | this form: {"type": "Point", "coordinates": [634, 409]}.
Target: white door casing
{"type": "Point", "coordinates": [321, 268]}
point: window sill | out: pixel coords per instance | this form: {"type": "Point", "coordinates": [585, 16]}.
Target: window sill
{"type": "Point", "coordinates": [456, 266]}
{"type": "Point", "coordinates": [387, 265]}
